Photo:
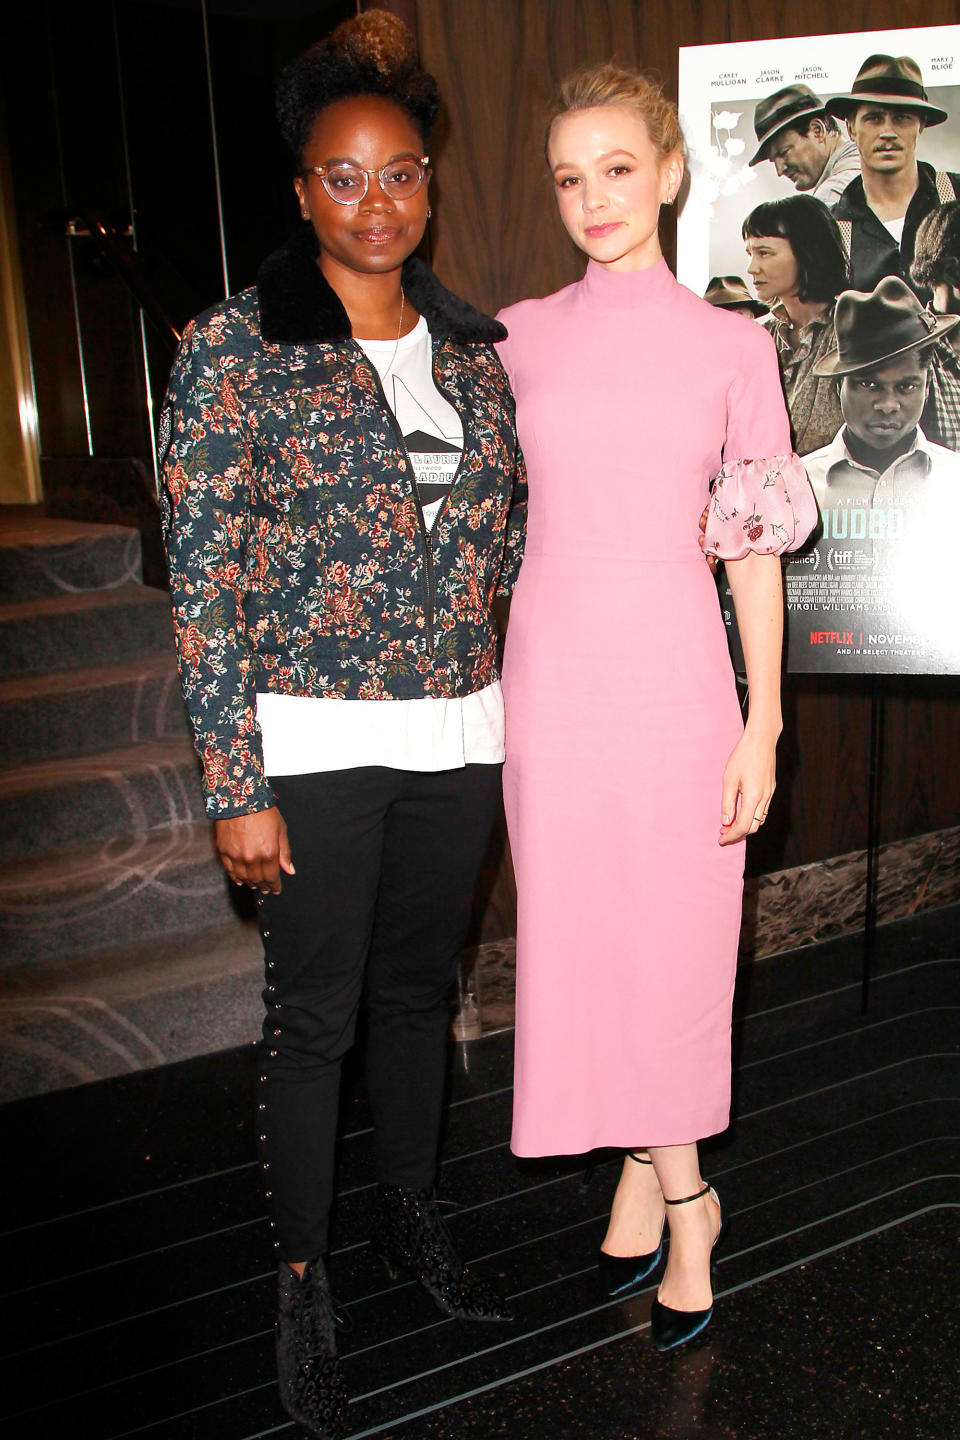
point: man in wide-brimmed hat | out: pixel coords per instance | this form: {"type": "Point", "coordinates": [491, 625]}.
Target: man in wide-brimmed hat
{"type": "Point", "coordinates": [729, 292]}
{"type": "Point", "coordinates": [880, 456]}
{"type": "Point", "coordinates": [886, 112]}
{"type": "Point", "coordinates": [887, 494]}
{"type": "Point", "coordinates": [804, 143]}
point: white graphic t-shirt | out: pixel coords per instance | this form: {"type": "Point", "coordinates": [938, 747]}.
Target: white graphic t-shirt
{"type": "Point", "coordinates": [302, 735]}
{"type": "Point", "coordinates": [430, 426]}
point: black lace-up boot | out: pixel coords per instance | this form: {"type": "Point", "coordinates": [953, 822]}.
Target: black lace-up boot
{"type": "Point", "coordinates": [311, 1382]}
{"type": "Point", "coordinates": [411, 1238]}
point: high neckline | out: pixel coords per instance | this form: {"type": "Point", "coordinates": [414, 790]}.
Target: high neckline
{"type": "Point", "coordinates": [618, 288]}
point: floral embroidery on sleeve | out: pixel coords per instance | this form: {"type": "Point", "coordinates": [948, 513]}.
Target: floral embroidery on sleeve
{"type": "Point", "coordinates": [766, 506]}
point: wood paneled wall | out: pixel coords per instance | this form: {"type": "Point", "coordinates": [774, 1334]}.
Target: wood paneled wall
{"type": "Point", "coordinates": [496, 239]}
{"type": "Point", "coordinates": [19, 451]}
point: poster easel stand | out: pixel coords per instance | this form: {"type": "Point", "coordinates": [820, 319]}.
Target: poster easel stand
{"type": "Point", "coordinates": [873, 837]}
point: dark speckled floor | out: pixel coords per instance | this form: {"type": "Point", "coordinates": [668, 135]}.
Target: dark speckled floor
{"type": "Point", "coordinates": [138, 1286]}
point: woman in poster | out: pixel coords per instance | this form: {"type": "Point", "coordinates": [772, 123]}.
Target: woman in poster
{"type": "Point", "coordinates": [798, 267]}
{"type": "Point", "coordinates": [342, 501]}
{"type": "Point", "coordinates": [631, 782]}
{"type": "Point", "coordinates": [936, 266]}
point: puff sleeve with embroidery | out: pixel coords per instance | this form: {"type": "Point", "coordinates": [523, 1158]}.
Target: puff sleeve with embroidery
{"type": "Point", "coordinates": [761, 499]}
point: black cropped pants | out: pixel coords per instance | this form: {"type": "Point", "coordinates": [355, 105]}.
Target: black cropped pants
{"type": "Point", "coordinates": [386, 864]}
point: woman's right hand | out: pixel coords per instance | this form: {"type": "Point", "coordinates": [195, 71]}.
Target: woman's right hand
{"type": "Point", "coordinates": [254, 849]}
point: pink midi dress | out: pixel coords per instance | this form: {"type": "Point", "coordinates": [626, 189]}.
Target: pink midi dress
{"type": "Point", "coordinates": [621, 711]}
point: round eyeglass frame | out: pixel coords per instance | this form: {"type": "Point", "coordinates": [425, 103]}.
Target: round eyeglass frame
{"type": "Point", "coordinates": [322, 171]}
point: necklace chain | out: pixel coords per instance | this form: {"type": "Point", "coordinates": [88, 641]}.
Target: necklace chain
{"type": "Point", "coordinates": [396, 347]}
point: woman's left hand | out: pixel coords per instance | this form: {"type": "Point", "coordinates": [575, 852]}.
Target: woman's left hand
{"type": "Point", "coordinates": [749, 780]}
{"type": "Point", "coordinates": [702, 539]}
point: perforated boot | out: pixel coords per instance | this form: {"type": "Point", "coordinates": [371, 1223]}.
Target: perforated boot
{"type": "Point", "coordinates": [411, 1238]}
{"type": "Point", "coordinates": [312, 1389]}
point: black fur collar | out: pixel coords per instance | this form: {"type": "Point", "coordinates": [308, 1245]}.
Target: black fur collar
{"type": "Point", "coordinates": [298, 306]}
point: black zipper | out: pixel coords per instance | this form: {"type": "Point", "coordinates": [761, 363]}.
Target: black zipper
{"type": "Point", "coordinates": [424, 532]}
{"type": "Point", "coordinates": [463, 449]}
{"type": "Point", "coordinates": [426, 543]}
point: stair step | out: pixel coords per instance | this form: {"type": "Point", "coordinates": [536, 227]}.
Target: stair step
{"type": "Point", "coordinates": [66, 1022]}
{"type": "Point", "coordinates": [92, 898]}
{"type": "Point", "coordinates": [58, 632]}
{"type": "Point", "coordinates": [41, 557]}
{"type": "Point", "coordinates": [76, 712]}
{"type": "Point", "coordinates": [52, 804]}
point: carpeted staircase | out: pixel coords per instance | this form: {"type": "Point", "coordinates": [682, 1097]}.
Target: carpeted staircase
{"type": "Point", "coordinates": [120, 941]}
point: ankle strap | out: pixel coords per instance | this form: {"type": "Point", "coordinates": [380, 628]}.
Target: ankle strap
{"type": "Point", "coordinates": [638, 1159]}
{"type": "Point", "coordinates": [687, 1198]}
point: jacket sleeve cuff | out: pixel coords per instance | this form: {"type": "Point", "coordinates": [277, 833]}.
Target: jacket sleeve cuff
{"type": "Point", "coordinates": [233, 778]}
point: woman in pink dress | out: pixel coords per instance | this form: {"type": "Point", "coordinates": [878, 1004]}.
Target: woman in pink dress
{"type": "Point", "coordinates": [631, 782]}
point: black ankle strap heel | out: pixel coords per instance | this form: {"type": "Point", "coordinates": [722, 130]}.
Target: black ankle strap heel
{"type": "Point", "coordinates": [670, 1328]}
{"type": "Point", "coordinates": [687, 1198]}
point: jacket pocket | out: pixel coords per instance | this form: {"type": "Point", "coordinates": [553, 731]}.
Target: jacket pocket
{"type": "Point", "coordinates": [278, 403]}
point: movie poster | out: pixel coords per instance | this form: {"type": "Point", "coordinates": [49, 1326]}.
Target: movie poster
{"type": "Point", "coordinates": [824, 204]}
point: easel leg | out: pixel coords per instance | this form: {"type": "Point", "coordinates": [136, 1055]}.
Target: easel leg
{"type": "Point", "coordinates": [873, 837]}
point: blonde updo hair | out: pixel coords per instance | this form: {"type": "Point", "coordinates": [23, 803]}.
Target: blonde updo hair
{"type": "Point", "coordinates": [611, 84]}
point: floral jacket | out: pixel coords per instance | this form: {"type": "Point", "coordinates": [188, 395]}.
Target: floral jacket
{"type": "Point", "coordinates": [298, 557]}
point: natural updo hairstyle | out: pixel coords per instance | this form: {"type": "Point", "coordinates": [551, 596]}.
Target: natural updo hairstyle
{"type": "Point", "coordinates": [815, 239]}
{"type": "Point", "coordinates": [372, 54]}
{"type": "Point", "coordinates": [611, 84]}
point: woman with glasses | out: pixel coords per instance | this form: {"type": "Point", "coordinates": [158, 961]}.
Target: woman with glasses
{"type": "Point", "coordinates": [343, 501]}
